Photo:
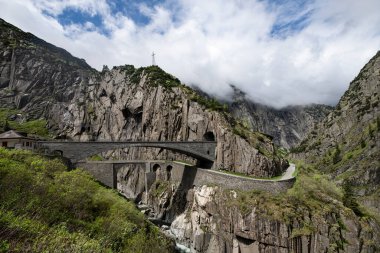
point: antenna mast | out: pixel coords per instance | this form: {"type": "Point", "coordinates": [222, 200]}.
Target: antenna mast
{"type": "Point", "coordinates": [153, 59]}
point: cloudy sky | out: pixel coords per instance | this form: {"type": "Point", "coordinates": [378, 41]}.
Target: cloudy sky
{"type": "Point", "coordinates": [280, 52]}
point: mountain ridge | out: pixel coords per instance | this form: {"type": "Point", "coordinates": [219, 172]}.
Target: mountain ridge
{"type": "Point", "coordinates": [346, 145]}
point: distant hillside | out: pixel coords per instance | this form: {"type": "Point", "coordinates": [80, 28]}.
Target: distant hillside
{"type": "Point", "coordinates": [346, 145]}
{"type": "Point", "coordinates": [288, 126]}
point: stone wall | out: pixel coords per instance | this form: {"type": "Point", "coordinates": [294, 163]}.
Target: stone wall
{"type": "Point", "coordinates": [103, 172]}
{"type": "Point", "coordinates": [191, 175]}
{"type": "Point", "coordinates": [106, 172]}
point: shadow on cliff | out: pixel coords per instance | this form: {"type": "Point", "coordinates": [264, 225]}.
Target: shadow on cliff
{"type": "Point", "coordinates": [182, 195]}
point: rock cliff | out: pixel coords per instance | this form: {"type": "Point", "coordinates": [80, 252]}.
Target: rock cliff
{"type": "Point", "coordinates": [34, 74]}
{"type": "Point", "coordinates": [217, 220]}
{"type": "Point", "coordinates": [288, 125]}
{"type": "Point", "coordinates": [346, 144]}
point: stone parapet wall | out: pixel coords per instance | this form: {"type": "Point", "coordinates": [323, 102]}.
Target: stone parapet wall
{"type": "Point", "coordinates": [103, 172]}
{"type": "Point", "coordinates": [209, 177]}
{"type": "Point", "coordinates": [106, 172]}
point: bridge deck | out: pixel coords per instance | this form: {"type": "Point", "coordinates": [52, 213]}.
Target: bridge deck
{"type": "Point", "coordinates": [131, 142]}
{"type": "Point", "coordinates": [78, 150]}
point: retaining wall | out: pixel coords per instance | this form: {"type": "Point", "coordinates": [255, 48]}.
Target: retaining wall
{"type": "Point", "coordinates": [187, 176]}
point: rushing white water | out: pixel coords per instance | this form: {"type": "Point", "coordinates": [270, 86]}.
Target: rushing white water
{"type": "Point", "coordinates": [182, 248]}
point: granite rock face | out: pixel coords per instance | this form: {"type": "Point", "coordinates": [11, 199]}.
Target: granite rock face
{"type": "Point", "coordinates": [35, 74]}
{"type": "Point", "coordinates": [288, 125]}
{"type": "Point", "coordinates": [216, 220]}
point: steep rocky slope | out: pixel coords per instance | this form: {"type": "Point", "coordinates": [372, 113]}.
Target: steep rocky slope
{"type": "Point", "coordinates": [346, 144]}
{"type": "Point", "coordinates": [34, 73]}
{"type": "Point", "coordinates": [288, 126]}
{"type": "Point", "coordinates": [122, 104]}
{"type": "Point", "coordinates": [216, 220]}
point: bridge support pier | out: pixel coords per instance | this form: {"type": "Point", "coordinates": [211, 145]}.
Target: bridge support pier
{"type": "Point", "coordinates": [106, 173]}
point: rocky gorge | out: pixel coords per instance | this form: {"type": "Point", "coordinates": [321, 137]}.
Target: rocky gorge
{"type": "Point", "coordinates": [128, 103]}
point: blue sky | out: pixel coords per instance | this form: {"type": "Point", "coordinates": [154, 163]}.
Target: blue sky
{"type": "Point", "coordinates": [291, 19]}
{"type": "Point", "coordinates": [72, 15]}
{"type": "Point", "coordinates": [280, 52]}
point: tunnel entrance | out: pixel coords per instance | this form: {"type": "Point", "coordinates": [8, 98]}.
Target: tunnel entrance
{"type": "Point", "coordinates": [209, 136]}
{"type": "Point", "coordinates": [57, 153]}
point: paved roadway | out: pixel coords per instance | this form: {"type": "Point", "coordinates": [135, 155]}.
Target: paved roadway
{"type": "Point", "coordinates": [289, 172]}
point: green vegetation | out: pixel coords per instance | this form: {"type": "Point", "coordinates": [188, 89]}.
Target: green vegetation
{"type": "Point", "coordinates": [210, 103]}
{"type": "Point", "coordinates": [258, 140]}
{"type": "Point", "coordinates": [349, 199]}
{"type": "Point", "coordinates": [96, 158]}
{"type": "Point", "coordinates": [306, 229]}
{"type": "Point", "coordinates": [312, 200]}
{"type": "Point", "coordinates": [300, 148]}
{"type": "Point", "coordinates": [247, 176]}
{"type": "Point", "coordinates": [135, 77]}
{"type": "Point", "coordinates": [45, 208]}
{"type": "Point", "coordinates": [311, 195]}
{"type": "Point", "coordinates": [336, 157]}
{"type": "Point", "coordinates": [281, 152]}
{"type": "Point", "coordinates": [128, 69]}
{"type": "Point", "coordinates": [156, 77]}
{"type": "Point", "coordinates": [37, 127]}
{"type": "Point", "coordinates": [182, 162]}
{"type": "Point", "coordinates": [159, 187]}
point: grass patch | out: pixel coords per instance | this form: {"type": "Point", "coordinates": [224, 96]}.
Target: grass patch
{"type": "Point", "coordinates": [210, 103]}
{"type": "Point", "coordinates": [248, 176]}
{"type": "Point", "coordinates": [36, 127]}
{"type": "Point", "coordinates": [159, 187]}
{"type": "Point", "coordinates": [45, 208]}
{"type": "Point", "coordinates": [96, 158]}
{"type": "Point", "coordinates": [182, 162]}
{"type": "Point", "coordinates": [156, 77]}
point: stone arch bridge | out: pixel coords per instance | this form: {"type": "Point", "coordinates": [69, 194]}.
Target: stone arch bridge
{"type": "Point", "coordinates": [76, 150]}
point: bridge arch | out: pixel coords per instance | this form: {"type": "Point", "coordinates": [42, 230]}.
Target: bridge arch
{"type": "Point", "coordinates": [157, 171]}
{"type": "Point", "coordinates": [169, 169]}
{"type": "Point", "coordinates": [204, 151]}
{"type": "Point", "coordinates": [156, 167]}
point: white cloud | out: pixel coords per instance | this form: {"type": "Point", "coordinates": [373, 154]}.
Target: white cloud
{"type": "Point", "coordinates": [215, 43]}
